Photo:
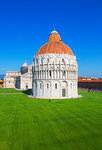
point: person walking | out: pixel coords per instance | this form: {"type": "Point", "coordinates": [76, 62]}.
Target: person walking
{"type": "Point", "coordinates": [49, 99]}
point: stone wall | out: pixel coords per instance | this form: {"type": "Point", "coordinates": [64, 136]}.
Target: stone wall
{"type": "Point", "coordinates": [54, 69]}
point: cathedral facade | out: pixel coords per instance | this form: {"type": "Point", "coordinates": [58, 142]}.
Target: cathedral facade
{"type": "Point", "coordinates": [55, 70]}
{"type": "Point", "coordinates": [19, 79]}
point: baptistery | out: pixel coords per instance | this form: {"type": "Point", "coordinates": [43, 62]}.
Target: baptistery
{"type": "Point", "coordinates": [55, 70]}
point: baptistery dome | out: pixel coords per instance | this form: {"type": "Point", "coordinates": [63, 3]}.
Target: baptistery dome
{"type": "Point", "coordinates": [54, 45]}
{"type": "Point", "coordinates": [55, 70]}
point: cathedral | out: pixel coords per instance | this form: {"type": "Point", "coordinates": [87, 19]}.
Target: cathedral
{"type": "Point", "coordinates": [19, 79]}
{"type": "Point", "coordinates": [54, 70]}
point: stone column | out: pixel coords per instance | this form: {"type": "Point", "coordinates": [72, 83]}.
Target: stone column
{"type": "Point", "coordinates": [41, 74]}
{"type": "Point", "coordinates": [37, 74]}
{"type": "Point", "coordinates": [45, 74]}
{"type": "Point", "coordinates": [65, 74]}
{"type": "Point", "coordinates": [51, 90]}
{"type": "Point", "coordinates": [62, 74]}
{"type": "Point", "coordinates": [56, 74]}
{"type": "Point", "coordinates": [52, 74]}
{"type": "Point", "coordinates": [69, 74]}
{"type": "Point", "coordinates": [60, 91]}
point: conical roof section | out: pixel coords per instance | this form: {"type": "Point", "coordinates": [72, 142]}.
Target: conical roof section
{"type": "Point", "coordinates": [54, 45]}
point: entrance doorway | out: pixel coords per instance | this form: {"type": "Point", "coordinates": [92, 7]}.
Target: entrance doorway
{"type": "Point", "coordinates": [63, 92]}
{"type": "Point", "coordinates": [26, 87]}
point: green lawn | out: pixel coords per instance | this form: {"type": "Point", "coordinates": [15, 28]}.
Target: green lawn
{"type": "Point", "coordinates": [10, 90]}
{"type": "Point", "coordinates": [34, 124]}
{"type": "Point", "coordinates": [82, 90]}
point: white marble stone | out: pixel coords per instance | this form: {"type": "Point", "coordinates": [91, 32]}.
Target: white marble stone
{"type": "Point", "coordinates": [21, 79]}
{"type": "Point", "coordinates": [54, 76]}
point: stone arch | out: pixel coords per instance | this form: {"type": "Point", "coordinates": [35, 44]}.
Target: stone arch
{"type": "Point", "coordinates": [40, 82]}
{"type": "Point", "coordinates": [55, 92]}
{"type": "Point", "coordinates": [55, 60]}
{"type": "Point", "coordinates": [40, 88]}
{"type": "Point", "coordinates": [35, 88]}
{"type": "Point", "coordinates": [48, 60]}
{"type": "Point", "coordinates": [69, 60]}
{"type": "Point", "coordinates": [48, 81]}
{"type": "Point", "coordinates": [64, 89]}
{"type": "Point", "coordinates": [63, 60]}
{"type": "Point", "coordinates": [58, 82]}
{"type": "Point", "coordinates": [71, 85]}
{"type": "Point", "coordinates": [48, 88]}
{"type": "Point", "coordinates": [64, 83]}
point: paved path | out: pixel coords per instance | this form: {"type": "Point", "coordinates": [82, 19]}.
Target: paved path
{"type": "Point", "coordinates": [11, 93]}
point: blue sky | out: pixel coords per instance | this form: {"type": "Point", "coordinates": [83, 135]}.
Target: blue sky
{"type": "Point", "coordinates": [25, 26]}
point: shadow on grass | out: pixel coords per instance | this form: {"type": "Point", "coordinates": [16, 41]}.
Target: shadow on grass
{"type": "Point", "coordinates": [28, 92]}
{"type": "Point", "coordinates": [58, 102]}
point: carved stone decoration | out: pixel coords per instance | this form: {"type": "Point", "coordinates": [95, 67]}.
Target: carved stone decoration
{"type": "Point", "coordinates": [57, 70]}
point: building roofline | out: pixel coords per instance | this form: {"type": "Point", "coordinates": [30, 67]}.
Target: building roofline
{"type": "Point", "coordinates": [13, 71]}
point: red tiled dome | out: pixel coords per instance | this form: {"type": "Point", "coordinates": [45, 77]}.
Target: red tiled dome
{"type": "Point", "coordinates": [54, 45]}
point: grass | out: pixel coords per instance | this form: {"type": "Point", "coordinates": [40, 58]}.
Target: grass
{"type": "Point", "coordinates": [10, 90]}
{"type": "Point", "coordinates": [35, 124]}
{"type": "Point", "coordinates": [82, 90]}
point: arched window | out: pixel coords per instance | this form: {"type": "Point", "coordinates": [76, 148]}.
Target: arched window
{"type": "Point", "coordinates": [63, 60]}
{"type": "Point", "coordinates": [56, 86]}
{"type": "Point", "coordinates": [50, 73]}
{"type": "Point", "coordinates": [47, 60]}
{"type": "Point", "coordinates": [64, 73]}
{"type": "Point", "coordinates": [71, 85]}
{"type": "Point", "coordinates": [40, 86]}
{"type": "Point", "coordinates": [47, 86]}
{"type": "Point", "coordinates": [41, 60]}
{"type": "Point", "coordinates": [55, 60]}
